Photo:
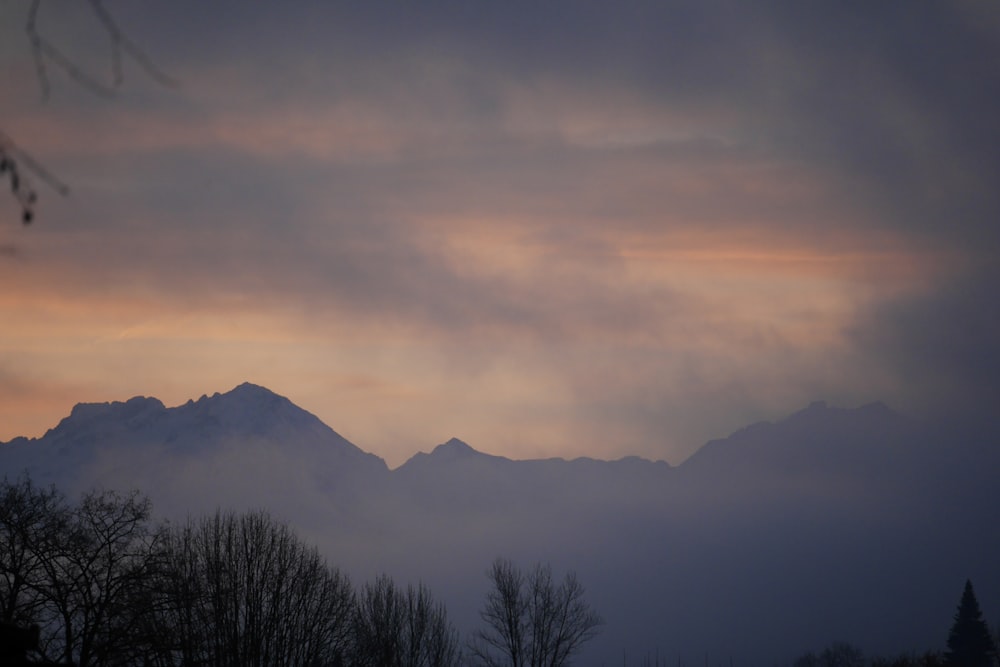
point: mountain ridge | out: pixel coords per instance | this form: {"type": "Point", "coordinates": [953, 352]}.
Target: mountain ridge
{"type": "Point", "coordinates": [848, 506]}
{"type": "Point", "coordinates": [98, 438]}
{"type": "Point", "coordinates": [251, 409]}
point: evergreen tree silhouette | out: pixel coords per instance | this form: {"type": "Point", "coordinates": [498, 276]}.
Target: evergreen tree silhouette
{"type": "Point", "coordinates": [969, 641]}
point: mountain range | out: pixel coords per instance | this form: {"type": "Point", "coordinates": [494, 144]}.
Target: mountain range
{"type": "Point", "coordinates": [832, 524]}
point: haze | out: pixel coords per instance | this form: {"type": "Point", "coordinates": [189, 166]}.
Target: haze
{"type": "Point", "coordinates": [591, 228]}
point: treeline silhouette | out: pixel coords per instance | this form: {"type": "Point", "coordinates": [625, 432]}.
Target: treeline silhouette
{"type": "Point", "coordinates": [98, 583]}
{"type": "Point", "coordinates": [969, 644]}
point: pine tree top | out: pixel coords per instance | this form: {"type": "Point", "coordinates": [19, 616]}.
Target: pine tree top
{"type": "Point", "coordinates": [969, 641]}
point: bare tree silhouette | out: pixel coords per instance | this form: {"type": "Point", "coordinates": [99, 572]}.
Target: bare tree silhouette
{"type": "Point", "coordinates": [73, 576]}
{"type": "Point", "coordinates": [402, 627]}
{"type": "Point", "coordinates": [532, 621]}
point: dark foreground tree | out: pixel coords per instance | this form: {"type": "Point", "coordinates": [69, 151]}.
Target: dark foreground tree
{"type": "Point", "coordinates": [969, 641]}
{"type": "Point", "coordinates": [29, 517]}
{"type": "Point", "coordinates": [99, 571]}
{"type": "Point", "coordinates": [531, 621]}
{"type": "Point", "coordinates": [402, 628]}
{"type": "Point", "coordinates": [244, 591]}
{"type": "Point", "coordinates": [78, 572]}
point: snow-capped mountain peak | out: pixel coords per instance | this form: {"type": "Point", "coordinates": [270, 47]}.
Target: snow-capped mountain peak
{"type": "Point", "coordinates": [249, 432]}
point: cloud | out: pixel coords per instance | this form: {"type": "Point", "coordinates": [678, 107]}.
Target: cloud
{"type": "Point", "coordinates": [941, 344]}
{"type": "Point", "coordinates": [603, 226]}
{"type": "Point", "coordinates": [30, 399]}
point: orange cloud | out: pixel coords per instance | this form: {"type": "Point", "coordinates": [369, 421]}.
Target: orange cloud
{"type": "Point", "coordinates": [567, 264]}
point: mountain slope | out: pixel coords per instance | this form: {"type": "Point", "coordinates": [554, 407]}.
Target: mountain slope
{"type": "Point", "coordinates": [855, 524]}
{"type": "Point", "coordinates": [836, 438]}
{"type": "Point", "coordinates": [246, 447]}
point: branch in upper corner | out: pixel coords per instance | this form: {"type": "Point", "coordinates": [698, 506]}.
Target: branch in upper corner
{"type": "Point", "coordinates": [12, 159]}
{"type": "Point", "coordinates": [45, 53]}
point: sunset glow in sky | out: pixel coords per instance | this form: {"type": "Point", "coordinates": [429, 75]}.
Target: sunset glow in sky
{"type": "Point", "coordinates": [587, 229]}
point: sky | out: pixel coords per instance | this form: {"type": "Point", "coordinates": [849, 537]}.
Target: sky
{"type": "Point", "coordinates": [568, 229]}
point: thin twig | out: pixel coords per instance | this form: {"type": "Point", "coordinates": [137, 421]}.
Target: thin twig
{"type": "Point", "coordinates": [13, 160]}
{"type": "Point", "coordinates": [120, 42]}
{"type": "Point", "coordinates": [45, 52]}
{"type": "Point", "coordinates": [22, 192]}
{"type": "Point", "coordinates": [13, 150]}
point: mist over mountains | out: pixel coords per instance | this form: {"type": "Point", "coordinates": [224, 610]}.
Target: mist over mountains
{"type": "Point", "coordinates": [832, 524]}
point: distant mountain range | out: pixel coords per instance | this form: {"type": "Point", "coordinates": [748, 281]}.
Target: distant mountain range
{"type": "Point", "coordinates": [833, 524]}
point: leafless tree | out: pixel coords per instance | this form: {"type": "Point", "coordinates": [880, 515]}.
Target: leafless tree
{"type": "Point", "coordinates": [29, 517]}
{"type": "Point", "coordinates": [397, 628]}
{"type": "Point", "coordinates": [107, 589]}
{"type": "Point", "coordinates": [531, 621]}
{"type": "Point", "coordinates": [75, 571]}
{"type": "Point", "coordinates": [94, 572]}
{"type": "Point", "coordinates": [243, 590]}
